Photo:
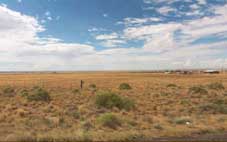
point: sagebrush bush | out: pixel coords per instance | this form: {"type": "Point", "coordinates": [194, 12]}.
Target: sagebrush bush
{"type": "Point", "coordinates": [198, 90]}
{"type": "Point", "coordinates": [38, 94]}
{"type": "Point", "coordinates": [216, 86]}
{"type": "Point", "coordinates": [109, 100]}
{"type": "Point", "coordinates": [92, 87]}
{"type": "Point", "coordinates": [181, 120]}
{"type": "Point", "coordinates": [76, 91]}
{"type": "Point", "coordinates": [171, 85]}
{"type": "Point", "coordinates": [8, 91]}
{"type": "Point", "coordinates": [158, 126]}
{"type": "Point", "coordinates": [125, 86]}
{"type": "Point", "coordinates": [218, 106]}
{"type": "Point", "coordinates": [24, 93]}
{"type": "Point", "coordinates": [109, 120]}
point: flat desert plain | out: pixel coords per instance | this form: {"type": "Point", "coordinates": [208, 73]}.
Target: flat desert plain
{"type": "Point", "coordinates": [112, 106]}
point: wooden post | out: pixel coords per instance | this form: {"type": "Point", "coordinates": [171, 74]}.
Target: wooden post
{"type": "Point", "coordinates": [81, 84]}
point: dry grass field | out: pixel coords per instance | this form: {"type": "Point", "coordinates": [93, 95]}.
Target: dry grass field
{"type": "Point", "coordinates": [52, 107]}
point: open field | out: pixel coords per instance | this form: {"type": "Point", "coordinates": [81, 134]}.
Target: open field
{"type": "Point", "coordinates": [158, 105]}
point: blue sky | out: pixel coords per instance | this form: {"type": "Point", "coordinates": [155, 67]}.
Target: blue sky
{"type": "Point", "coordinates": [112, 34]}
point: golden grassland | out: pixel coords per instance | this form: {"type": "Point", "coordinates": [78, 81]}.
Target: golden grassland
{"type": "Point", "coordinates": [165, 106]}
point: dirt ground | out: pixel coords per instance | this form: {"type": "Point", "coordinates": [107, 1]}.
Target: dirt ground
{"type": "Point", "coordinates": [166, 108]}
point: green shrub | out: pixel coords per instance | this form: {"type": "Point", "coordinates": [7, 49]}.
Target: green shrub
{"type": "Point", "coordinates": [164, 93]}
{"type": "Point", "coordinates": [24, 93]}
{"type": "Point", "coordinates": [9, 91]}
{"type": "Point", "coordinates": [185, 102]}
{"type": "Point", "coordinates": [198, 90]}
{"type": "Point", "coordinates": [171, 86]}
{"type": "Point", "coordinates": [38, 94]}
{"type": "Point", "coordinates": [109, 100]}
{"type": "Point", "coordinates": [158, 126]}
{"type": "Point", "coordinates": [216, 86]}
{"type": "Point", "coordinates": [182, 120]}
{"type": "Point", "coordinates": [93, 86]}
{"type": "Point", "coordinates": [214, 108]}
{"type": "Point", "coordinates": [125, 86]}
{"type": "Point", "coordinates": [109, 120]}
{"type": "Point", "coordinates": [76, 91]}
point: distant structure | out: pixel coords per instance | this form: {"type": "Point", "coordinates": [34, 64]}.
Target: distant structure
{"type": "Point", "coordinates": [184, 72]}
{"type": "Point", "coordinates": [211, 72]}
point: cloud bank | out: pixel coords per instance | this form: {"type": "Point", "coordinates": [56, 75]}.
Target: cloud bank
{"type": "Point", "coordinates": [165, 45]}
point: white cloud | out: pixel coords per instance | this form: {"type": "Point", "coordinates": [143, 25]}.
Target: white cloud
{"type": "Point", "coordinates": [47, 13]}
{"type": "Point", "coordinates": [107, 36]}
{"type": "Point", "coordinates": [49, 18]}
{"type": "Point", "coordinates": [165, 10]}
{"type": "Point", "coordinates": [112, 43]}
{"type": "Point", "coordinates": [23, 49]}
{"type": "Point", "coordinates": [138, 21]}
{"type": "Point", "coordinates": [202, 2]}
{"type": "Point", "coordinates": [105, 15]}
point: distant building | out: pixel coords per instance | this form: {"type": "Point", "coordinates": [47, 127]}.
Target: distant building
{"type": "Point", "coordinates": [185, 72]}
{"type": "Point", "coordinates": [211, 71]}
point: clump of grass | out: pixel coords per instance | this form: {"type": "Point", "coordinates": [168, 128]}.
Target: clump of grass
{"type": "Point", "coordinates": [109, 120]}
{"type": "Point", "coordinates": [110, 100]}
{"type": "Point", "coordinates": [125, 86]}
{"type": "Point", "coordinates": [216, 86]}
{"type": "Point", "coordinates": [9, 91]}
{"type": "Point", "coordinates": [181, 120]}
{"type": "Point", "coordinates": [158, 127]}
{"type": "Point", "coordinates": [24, 93]}
{"type": "Point", "coordinates": [164, 94]}
{"type": "Point", "coordinates": [198, 90]}
{"type": "Point", "coordinates": [76, 91]}
{"type": "Point", "coordinates": [92, 87]}
{"type": "Point", "coordinates": [218, 106]}
{"type": "Point", "coordinates": [185, 102]}
{"type": "Point", "coordinates": [39, 94]}
{"type": "Point", "coordinates": [171, 85]}
{"type": "Point", "coordinates": [75, 115]}
{"type": "Point", "coordinates": [86, 125]}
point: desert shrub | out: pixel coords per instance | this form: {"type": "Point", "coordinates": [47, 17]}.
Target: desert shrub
{"type": "Point", "coordinates": [76, 91]}
{"type": "Point", "coordinates": [181, 120]}
{"type": "Point", "coordinates": [198, 90]}
{"type": "Point", "coordinates": [75, 115]}
{"type": "Point", "coordinates": [125, 86]}
{"type": "Point", "coordinates": [109, 120]}
{"type": "Point", "coordinates": [86, 125]}
{"type": "Point", "coordinates": [24, 93]}
{"type": "Point", "coordinates": [109, 100]}
{"type": "Point", "coordinates": [92, 87]}
{"type": "Point", "coordinates": [164, 94]}
{"type": "Point", "coordinates": [216, 86]}
{"type": "Point", "coordinates": [158, 126]}
{"type": "Point", "coordinates": [8, 91]}
{"type": "Point", "coordinates": [171, 85]}
{"type": "Point", "coordinates": [38, 94]}
{"type": "Point", "coordinates": [214, 107]}
{"type": "Point", "coordinates": [185, 102]}
{"type": "Point", "coordinates": [225, 94]}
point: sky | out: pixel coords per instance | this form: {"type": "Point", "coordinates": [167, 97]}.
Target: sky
{"type": "Point", "coordinates": [91, 35]}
